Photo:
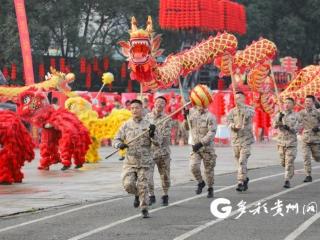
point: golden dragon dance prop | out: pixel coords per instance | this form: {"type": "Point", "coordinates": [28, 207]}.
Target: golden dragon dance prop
{"type": "Point", "coordinates": [143, 47]}
{"type": "Point", "coordinates": [311, 88]}
{"type": "Point", "coordinates": [305, 76]}
{"type": "Point", "coordinates": [54, 81]}
{"type": "Point", "coordinates": [99, 128]}
{"type": "Point", "coordinates": [255, 60]}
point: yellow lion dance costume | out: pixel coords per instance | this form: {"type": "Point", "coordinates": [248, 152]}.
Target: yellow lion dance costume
{"type": "Point", "coordinates": [99, 128]}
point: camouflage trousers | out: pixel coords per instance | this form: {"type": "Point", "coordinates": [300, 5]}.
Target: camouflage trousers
{"type": "Point", "coordinates": [287, 157]}
{"type": "Point", "coordinates": [310, 150]}
{"type": "Point", "coordinates": [163, 164]}
{"type": "Point", "coordinates": [209, 161]}
{"type": "Point", "coordinates": [135, 181]}
{"type": "Point", "coordinates": [241, 154]}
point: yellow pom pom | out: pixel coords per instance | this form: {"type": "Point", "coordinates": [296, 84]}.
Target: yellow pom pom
{"type": "Point", "coordinates": [107, 78]}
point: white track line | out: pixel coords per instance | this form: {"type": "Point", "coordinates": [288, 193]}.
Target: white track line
{"type": "Point", "coordinates": [304, 226]}
{"type": "Point", "coordinates": [100, 229]}
{"type": "Point", "coordinates": [213, 222]}
{"type": "Point", "coordinates": [58, 214]}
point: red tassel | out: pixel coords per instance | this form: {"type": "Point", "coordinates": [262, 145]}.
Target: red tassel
{"type": "Point", "coordinates": [62, 65]}
{"type": "Point", "coordinates": [123, 70]}
{"type": "Point", "coordinates": [5, 72]}
{"type": "Point", "coordinates": [105, 63]}
{"type": "Point", "coordinates": [88, 76]}
{"type": "Point", "coordinates": [82, 65]}
{"type": "Point", "coordinates": [53, 62]}
{"type": "Point", "coordinates": [95, 64]}
{"type": "Point", "coordinates": [13, 71]}
{"type": "Point", "coordinates": [41, 71]}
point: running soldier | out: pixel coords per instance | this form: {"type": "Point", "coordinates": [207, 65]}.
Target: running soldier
{"type": "Point", "coordinates": [136, 166]}
{"type": "Point", "coordinates": [240, 121]}
{"type": "Point", "coordinates": [161, 152]}
{"type": "Point", "coordinates": [203, 129]}
{"type": "Point", "coordinates": [310, 121]}
{"type": "Point", "coordinates": [288, 123]}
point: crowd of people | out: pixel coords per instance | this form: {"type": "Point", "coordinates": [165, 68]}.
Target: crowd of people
{"type": "Point", "coordinates": [152, 149]}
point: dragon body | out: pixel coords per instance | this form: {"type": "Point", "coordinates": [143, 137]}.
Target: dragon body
{"type": "Point", "coordinates": [143, 48]}
{"type": "Point", "coordinates": [54, 81]}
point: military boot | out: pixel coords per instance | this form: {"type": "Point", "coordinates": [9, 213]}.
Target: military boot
{"type": "Point", "coordinates": [200, 187]}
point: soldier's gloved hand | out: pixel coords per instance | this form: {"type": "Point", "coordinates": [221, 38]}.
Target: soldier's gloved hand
{"type": "Point", "coordinates": [197, 146]}
{"type": "Point", "coordinates": [185, 113]}
{"type": "Point", "coordinates": [286, 127]}
{"type": "Point", "coordinates": [281, 115]}
{"type": "Point", "coordinates": [152, 129]}
{"type": "Point", "coordinates": [123, 146]}
{"type": "Point", "coordinates": [315, 129]}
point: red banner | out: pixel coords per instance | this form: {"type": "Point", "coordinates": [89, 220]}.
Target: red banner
{"type": "Point", "coordinates": [24, 40]}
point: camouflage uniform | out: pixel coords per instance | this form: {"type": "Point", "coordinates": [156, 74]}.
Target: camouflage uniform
{"type": "Point", "coordinates": [287, 141]}
{"type": "Point", "coordinates": [241, 139]}
{"type": "Point", "coordinates": [203, 129]}
{"type": "Point", "coordinates": [160, 153]}
{"type": "Point", "coordinates": [310, 140]}
{"type": "Point", "coordinates": [136, 166]}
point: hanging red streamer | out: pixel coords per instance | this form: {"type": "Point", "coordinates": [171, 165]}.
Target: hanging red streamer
{"type": "Point", "coordinates": [82, 65]}
{"type": "Point", "coordinates": [13, 71]}
{"type": "Point", "coordinates": [88, 76]}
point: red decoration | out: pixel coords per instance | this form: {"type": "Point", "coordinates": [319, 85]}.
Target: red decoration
{"type": "Point", "coordinates": [208, 15]}
{"type": "Point", "coordinates": [13, 71]}
{"type": "Point", "coordinates": [53, 62]}
{"type": "Point", "coordinates": [82, 65]}
{"type": "Point", "coordinates": [123, 71]}
{"type": "Point", "coordinates": [129, 85]}
{"type": "Point", "coordinates": [105, 63]}
{"type": "Point", "coordinates": [88, 76]}
{"type": "Point", "coordinates": [95, 64]}
{"type": "Point", "coordinates": [62, 65]}
{"type": "Point", "coordinates": [41, 71]}
{"type": "Point", "coordinates": [5, 72]}
{"type": "Point", "coordinates": [220, 84]}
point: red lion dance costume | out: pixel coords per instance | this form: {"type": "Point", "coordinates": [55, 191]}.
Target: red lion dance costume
{"type": "Point", "coordinates": [63, 136]}
{"type": "Point", "coordinates": [16, 147]}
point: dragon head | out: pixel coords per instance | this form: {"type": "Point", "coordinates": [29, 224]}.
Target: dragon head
{"type": "Point", "coordinates": [141, 50]}
{"type": "Point", "coordinates": [31, 102]}
{"type": "Point", "coordinates": [63, 80]}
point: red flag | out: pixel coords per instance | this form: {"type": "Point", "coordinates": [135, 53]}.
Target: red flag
{"type": "Point", "coordinates": [88, 76]}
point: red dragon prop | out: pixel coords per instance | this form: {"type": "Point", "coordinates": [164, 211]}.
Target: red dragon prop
{"type": "Point", "coordinates": [63, 136]}
{"type": "Point", "coordinates": [143, 48]}
{"type": "Point", "coordinates": [16, 147]}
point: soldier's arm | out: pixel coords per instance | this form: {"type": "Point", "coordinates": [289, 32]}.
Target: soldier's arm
{"type": "Point", "coordinates": [276, 123]}
{"type": "Point", "coordinates": [120, 136]}
{"type": "Point", "coordinates": [212, 128]}
{"type": "Point", "coordinates": [230, 120]}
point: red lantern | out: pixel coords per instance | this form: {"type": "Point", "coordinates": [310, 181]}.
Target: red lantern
{"type": "Point", "coordinates": [82, 65]}
{"type": "Point", "coordinates": [105, 63]}
{"type": "Point", "coordinates": [13, 71]}
{"type": "Point", "coordinates": [53, 62]}
{"type": "Point", "coordinates": [41, 71]}
{"type": "Point", "coordinates": [88, 76]}
{"type": "Point", "coordinates": [123, 70]}
{"type": "Point", "coordinates": [95, 64]}
{"type": "Point", "coordinates": [62, 65]}
{"type": "Point", "coordinates": [5, 72]}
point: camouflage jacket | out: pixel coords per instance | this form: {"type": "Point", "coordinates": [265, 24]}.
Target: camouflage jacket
{"type": "Point", "coordinates": [139, 152]}
{"type": "Point", "coordinates": [164, 135]}
{"type": "Point", "coordinates": [203, 127]}
{"type": "Point", "coordinates": [310, 119]}
{"type": "Point", "coordinates": [287, 138]}
{"type": "Point", "coordinates": [241, 116]}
